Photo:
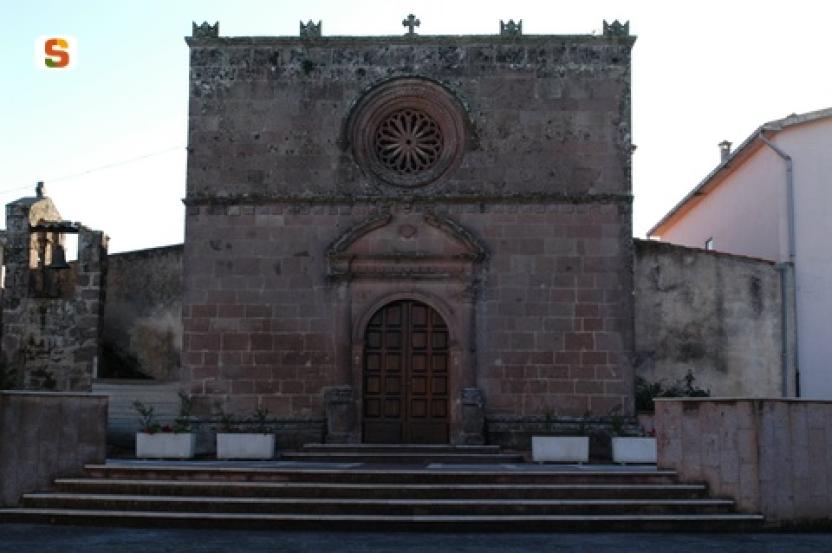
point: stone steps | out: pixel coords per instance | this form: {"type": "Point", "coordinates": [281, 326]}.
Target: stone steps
{"type": "Point", "coordinates": [380, 490]}
{"type": "Point", "coordinates": [410, 454]}
{"type": "Point", "coordinates": [357, 506]}
{"type": "Point", "coordinates": [357, 473]}
{"type": "Point", "coordinates": [401, 457]}
{"type": "Point", "coordinates": [453, 523]}
{"type": "Point", "coordinates": [401, 448]}
{"type": "Point", "coordinates": [376, 497]}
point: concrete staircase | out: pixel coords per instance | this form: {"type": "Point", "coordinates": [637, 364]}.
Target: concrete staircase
{"type": "Point", "coordinates": [415, 454]}
{"type": "Point", "coordinates": [378, 497]}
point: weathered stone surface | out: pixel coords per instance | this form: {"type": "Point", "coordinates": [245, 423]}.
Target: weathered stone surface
{"type": "Point", "coordinates": [523, 246]}
{"type": "Point", "coordinates": [341, 415]}
{"type": "Point", "coordinates": [718, 316]}
{"type": "Point", "coordinates": [473, 417]}
{"type": "Point", "coordinates": [51, 310]}
{"type": "Point", "coordinates": [141, 329]}
{"type": "Point", "coordinates": [48, 435]}
{"type": "Point", "coordinates": [771, 455]}
{"type": "Point", "coordinates": [267, 115]}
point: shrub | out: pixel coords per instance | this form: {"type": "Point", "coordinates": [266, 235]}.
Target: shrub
{"type": "Point", "coordinates": [646, 392]}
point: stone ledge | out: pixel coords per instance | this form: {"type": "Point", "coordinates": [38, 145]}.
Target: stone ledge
{"type": "Point", "coordinates": [409, 40]}
{"type": "Point", "coordinates": [743, 399]}
{"type": "Point", "coordinates": [207, 200]}
{"type": "Point", "coordinates": [41, 393]}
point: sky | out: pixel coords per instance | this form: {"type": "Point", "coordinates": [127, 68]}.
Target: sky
{"type": "Point", "coordinates": [108, 137]}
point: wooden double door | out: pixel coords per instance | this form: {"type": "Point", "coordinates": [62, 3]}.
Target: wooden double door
{"type": "Point", "coordinates": [406, 375]}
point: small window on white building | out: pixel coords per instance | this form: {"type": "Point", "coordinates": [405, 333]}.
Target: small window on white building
{"type": "Point", "coordinates": [709, 244]}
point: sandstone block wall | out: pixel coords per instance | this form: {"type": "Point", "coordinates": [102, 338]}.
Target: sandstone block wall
{"type": "Point", "coordinates": [772, 456]}
{"type": "Point", "coordinates": [541, 321]}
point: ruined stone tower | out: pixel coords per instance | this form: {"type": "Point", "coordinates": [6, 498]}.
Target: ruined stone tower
{"type": "Point", "coordinates": [51, 308]}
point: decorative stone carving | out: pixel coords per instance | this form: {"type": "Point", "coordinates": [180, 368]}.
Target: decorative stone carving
{"type": "Point", "coordinates": [310, 30]}
{"type": "Point", "coordinates": [616, 28]}
{"type": "Point", "coordinates": [408, 141]}
{"type": "Point", "coordinates": [341, 417]}
{"type": "Point", "coordinates": [408, 231]}
{"type": "Point", "coordinates": [438, 248]}
{"type": "Point", "coordinates": [473, 417]}
{"type": "Point", "coordinates": [206, 30]}
{"type": "Point", "coordinates": [511, 28]}
{"type": "Point", "coordinates": [411, 23]}
{"type": "Point", "coordinates": [407, 132]}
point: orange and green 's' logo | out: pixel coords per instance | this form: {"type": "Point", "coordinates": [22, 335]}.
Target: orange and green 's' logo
{"type": "Point", "coordinates": [55, 52]}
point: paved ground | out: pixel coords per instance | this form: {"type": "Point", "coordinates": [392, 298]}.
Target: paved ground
{"type": "Point", "coordinates": [26, 538]}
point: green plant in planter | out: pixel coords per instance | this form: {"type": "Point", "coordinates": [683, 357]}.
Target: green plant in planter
{"type": "Point", "coordinates": [226, 420]}
{"type": "Point", "coordinates": [147, 418]}
{"type": "Point", "coordinates": [616, 422]}
{"type": "Point", "coordinates": [549, 424]}
{"type": "Point", "coordinates": [259, 422]}
{"type": "Point", "coordinates": [182, 423]}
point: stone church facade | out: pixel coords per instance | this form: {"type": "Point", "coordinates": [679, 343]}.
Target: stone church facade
{"type": "Point", "coordinates": [410, 239]}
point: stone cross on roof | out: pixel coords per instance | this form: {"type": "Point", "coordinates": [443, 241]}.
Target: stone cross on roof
{"type": "Point", "coordinates": [411, 22]}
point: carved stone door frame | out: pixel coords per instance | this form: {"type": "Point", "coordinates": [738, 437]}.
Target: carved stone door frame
{"type": "Point", "coordinates": [368, 279]}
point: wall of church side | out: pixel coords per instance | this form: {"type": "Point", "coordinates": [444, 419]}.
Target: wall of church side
{"type": "Point", "coordinates": [714, 315]}
{"type": "Point", "coordinates": [141, 329]}
{"type": "Point", "coordinates": [543, 185]}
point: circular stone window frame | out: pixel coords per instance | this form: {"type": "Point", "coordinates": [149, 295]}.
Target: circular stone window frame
{"type": "Point", "coordinates": [382, 102]}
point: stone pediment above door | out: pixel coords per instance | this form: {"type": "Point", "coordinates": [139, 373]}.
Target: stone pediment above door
{"type": "Point", "coordinates": [405, 245]}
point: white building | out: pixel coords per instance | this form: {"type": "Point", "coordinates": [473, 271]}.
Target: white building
{"type": "Point", "coordinates": [772, 198]}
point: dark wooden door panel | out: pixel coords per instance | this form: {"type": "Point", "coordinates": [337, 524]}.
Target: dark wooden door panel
{"type": "Point", "coordinates": [405, 375]}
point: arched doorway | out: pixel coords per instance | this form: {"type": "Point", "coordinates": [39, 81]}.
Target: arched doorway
{"type": "Point", "coordinates": [405, 375]}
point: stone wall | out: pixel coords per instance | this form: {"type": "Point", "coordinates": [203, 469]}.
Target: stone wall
{"type": "Point", "coordinates": [51, 310]}
{"type": "Point", "coordinates": [45, 436]}
{"type": "Point", "coordinates": [291, 243]}
{"type": "Point", "coordinates": [546, 115]}
{"type": "Point", "coordinates": [716, 315]}
{"type": "Point", "coordinates": [142, 322]}
{"type": "Point", "coordinates": [772, 456]}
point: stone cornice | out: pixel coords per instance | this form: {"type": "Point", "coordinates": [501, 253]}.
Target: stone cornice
{"type": "Point", "coordinates": [625, 199]}
{"type": "Point", "coordinates": [408, 40]}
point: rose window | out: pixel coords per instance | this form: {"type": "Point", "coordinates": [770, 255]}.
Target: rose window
{"type": "Point", "coordinates": [407, 132]}
{"type": "Point", "coordinates": [408, 141]}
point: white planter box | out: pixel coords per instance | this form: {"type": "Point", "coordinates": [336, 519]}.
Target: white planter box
{"type": "Point", "coordinates": [560, 449]}
{"type": "Point", "coordinates": [245, 446]}
{"type": "Point", "coordinates": [165, 445]}
{"type": "Point", "coordinates": [634, 450]}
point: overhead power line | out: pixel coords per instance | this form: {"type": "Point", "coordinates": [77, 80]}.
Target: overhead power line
{"type": "Point", "coordinates": [99, 168]}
